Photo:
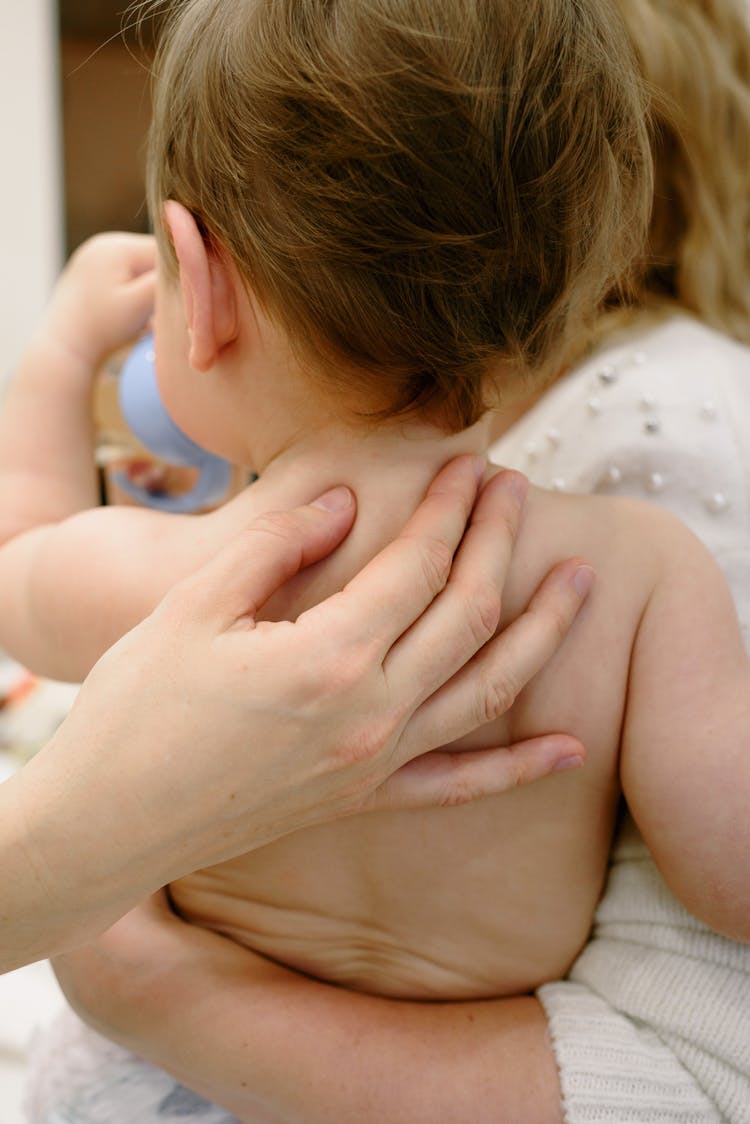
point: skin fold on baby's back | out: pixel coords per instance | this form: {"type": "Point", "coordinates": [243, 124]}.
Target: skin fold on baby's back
{"type": "Point", "coordinates": [487, 899]}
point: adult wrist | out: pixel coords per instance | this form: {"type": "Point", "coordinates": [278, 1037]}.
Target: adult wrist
{"type": "Point", "coordinates": [69, 867]}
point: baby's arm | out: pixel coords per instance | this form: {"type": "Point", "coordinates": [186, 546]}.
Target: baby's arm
{"type": "Point", "coordinates": [686, 738]}
{"type": "Point", "coordinates": [69, 590]}
{"type": "Point", "coordinates": [73, 580]}
{"type": "Point", "coordinates": [102, 301]}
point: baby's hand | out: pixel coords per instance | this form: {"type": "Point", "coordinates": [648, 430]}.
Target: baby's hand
{"type": "Point", "coordinates": [104, 297]}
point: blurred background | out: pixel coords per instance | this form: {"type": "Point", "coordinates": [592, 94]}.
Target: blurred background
{"type": "Point", "coordinates": [74, 107]}
{"type": "Point", "coordinates": [105, 109]}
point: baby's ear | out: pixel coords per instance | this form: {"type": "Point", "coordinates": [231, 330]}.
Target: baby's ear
{"type": "Point", "coordinates": [207, 290]}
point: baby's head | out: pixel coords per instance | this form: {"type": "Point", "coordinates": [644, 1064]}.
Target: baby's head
{"type": "Point", "coordinates": [695, 56]}
{"type": "Point", "coordinates": [429, 196]}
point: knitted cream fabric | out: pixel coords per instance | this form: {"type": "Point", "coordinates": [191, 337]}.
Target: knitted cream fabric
{"type": "Point", "coordinates": [653, 1024]}
{"type": "Point", "coordinates": [613, 1070]}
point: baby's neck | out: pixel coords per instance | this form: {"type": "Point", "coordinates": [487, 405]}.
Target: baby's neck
{"type": "Point", "coordinates": [388, 469]}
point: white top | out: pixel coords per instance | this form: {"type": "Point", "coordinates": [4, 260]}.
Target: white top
{"type": "Point", "coordinates": [661, 414]}
{"type": "Point", "coordinates": [653, 1024]}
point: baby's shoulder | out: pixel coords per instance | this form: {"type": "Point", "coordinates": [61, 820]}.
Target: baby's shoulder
{"type": "Point", "coordinates": [630, 543]}
{"type": "Point", "coordinates": [612, 526]}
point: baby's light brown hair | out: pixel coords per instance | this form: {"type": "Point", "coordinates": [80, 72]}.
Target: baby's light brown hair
{"type": "Point", "coordinates": [423, 193]}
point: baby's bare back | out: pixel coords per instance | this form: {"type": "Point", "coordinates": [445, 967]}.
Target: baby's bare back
{"type": "Point", "coordinates": [488, 899]}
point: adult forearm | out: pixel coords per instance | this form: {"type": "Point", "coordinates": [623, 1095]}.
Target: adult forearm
{"type": "Point", "coordinates": [70, 865]}
{"type": "Point", "coordinates": [312, 1054]}
{"type": "Point", "coordinates": [269, 1044]}
{"type": "Point", "coordinates": [266, 1043]}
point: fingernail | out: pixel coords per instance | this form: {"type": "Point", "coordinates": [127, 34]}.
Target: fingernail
{"type": "Point", "coordinates": [566, 763]}
{"type": "Point", "coordinates": [583, 579]}
{"type": "Point", "coordinates": [334, 500]}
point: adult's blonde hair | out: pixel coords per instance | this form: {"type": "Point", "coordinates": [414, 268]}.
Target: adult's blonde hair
{"type": "Point", "coordinates": [695, 56]}
{"type": "Point", "coordinates": [420, 191]}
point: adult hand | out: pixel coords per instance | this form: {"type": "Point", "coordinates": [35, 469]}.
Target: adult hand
{"type": "Point", "coordinates": [321, 717]}
{"type": "Point", "coordinates": [203, 734]}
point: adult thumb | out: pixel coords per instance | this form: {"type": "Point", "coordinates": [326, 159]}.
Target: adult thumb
{"type": "Point", "coordinates": [265, 555]}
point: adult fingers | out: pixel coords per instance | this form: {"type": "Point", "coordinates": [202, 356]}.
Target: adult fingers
{"type": "Point", "coordinates": [242, 576]}
{"type": "Point", "coordinates": [448, 779]}
{"type": "Point", "coordinates": [466, 614]}
{"type": "Point", "coordinates": [395, 588]}
{"type": "Point", "coordinates": [489, 684]}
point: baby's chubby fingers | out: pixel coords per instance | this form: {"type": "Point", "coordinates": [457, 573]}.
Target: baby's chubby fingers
{"type": "Point", "coordinates": [104, 297]}
{"type": "Point", "coordinates": [135, 301]}
{"type": "Point", "coordinates": [139, 253]}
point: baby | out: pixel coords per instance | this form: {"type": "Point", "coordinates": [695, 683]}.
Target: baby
{"type": "Point", "coordinates": [375, 217]}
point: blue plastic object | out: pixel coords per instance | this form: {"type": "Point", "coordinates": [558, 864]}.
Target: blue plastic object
{"type": "Point", "coordinates": [147, 418]}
